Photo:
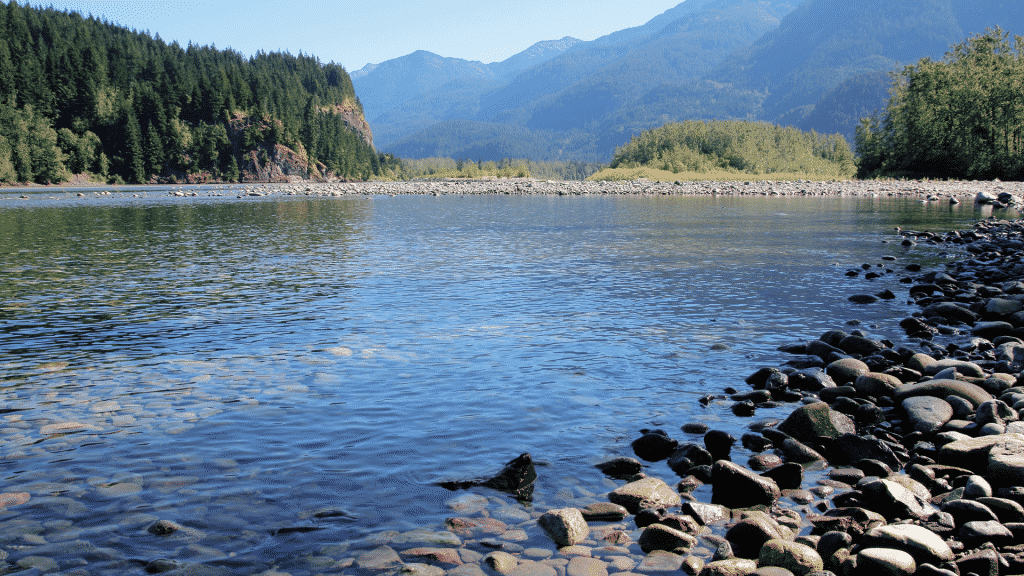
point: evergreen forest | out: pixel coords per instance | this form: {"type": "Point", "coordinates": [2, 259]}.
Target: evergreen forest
{"type": "Point", "coordinates": [961, 117]}
{"type": "Point", "coordinates": [737, 146]}
{"type": "Point", "coordinates": [80, 95]}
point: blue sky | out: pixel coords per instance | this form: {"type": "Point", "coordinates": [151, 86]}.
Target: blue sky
{"type": "Point", "coordinates": [372, 31]}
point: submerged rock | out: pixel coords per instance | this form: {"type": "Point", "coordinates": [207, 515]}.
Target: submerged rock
{"type": "Point", "coordinates": [516, 478]}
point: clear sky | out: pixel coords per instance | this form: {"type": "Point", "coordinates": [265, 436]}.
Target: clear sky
{"type": "Point", "coordinates": [354, 33]}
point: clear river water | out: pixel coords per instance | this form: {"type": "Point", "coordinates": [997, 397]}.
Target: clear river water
{"type": "Point", "coordinates": [237, 365]}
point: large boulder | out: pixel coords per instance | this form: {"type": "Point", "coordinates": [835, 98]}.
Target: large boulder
{"type": "Point", "coordinates": [812, 421]}
{"type": "Point", "coordinates": [734, 486]}
{"type": "Point", "coordinates": [643, 494]}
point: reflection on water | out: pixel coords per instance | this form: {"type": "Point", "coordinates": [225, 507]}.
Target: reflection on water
{"type": "Point", "coordinates": [238, 366]}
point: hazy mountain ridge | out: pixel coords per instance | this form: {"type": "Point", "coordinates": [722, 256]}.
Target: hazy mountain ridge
{"type": "Point", "coordinates": [813, 65]}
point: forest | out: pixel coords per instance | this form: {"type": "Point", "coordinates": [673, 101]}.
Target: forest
{"type": "Point", "coordinates": [962, 117]}
{"type": "Point", "coordinates": [737, 146]}
{"type": "Point", "coordinates": [80, 95]}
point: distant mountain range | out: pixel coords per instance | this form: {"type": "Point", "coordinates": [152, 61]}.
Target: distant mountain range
{"type": "Point", "coordinates": [819, 64]}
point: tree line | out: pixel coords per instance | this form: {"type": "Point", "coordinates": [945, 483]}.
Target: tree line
{"type": "Point", "coordinates": [962, 117]}
{"type": "Point", "coordinates": [737, 146]}
{"type": "Point", "coordinates": [78, 94]}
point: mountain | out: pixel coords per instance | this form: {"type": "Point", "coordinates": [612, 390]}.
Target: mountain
{"type": "Point", "coordinates": [815, 64]}
{"type": "Point", "coordinates": [424, 77]}
{"type": "Point", "coordinates": [591, 81]}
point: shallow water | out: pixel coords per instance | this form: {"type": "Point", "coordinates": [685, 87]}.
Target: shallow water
{"type": "Point", "coordinates": [238, 365]}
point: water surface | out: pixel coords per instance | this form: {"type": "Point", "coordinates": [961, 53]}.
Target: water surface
{"type": "Point", "coordinates": [237, 365]}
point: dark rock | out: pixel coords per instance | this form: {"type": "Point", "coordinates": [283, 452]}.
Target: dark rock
{"type": "Point", "coordinates": [1006, 510]}
{"type": "Point", "coordinates": [831, 542]}
{"type": "Point", "coordinates": [621, 468]}
{"type": "Point", "coordinates": [516, 478]}
{"type": "Point", "coordinates": [695, 428]}
{"type": "Point", "coordinates": [759, 379]}
{"type": "Point", "coordinates": [851, 520]}
{"type": "Point", "coordinates": [736, 487]}
{"type": "Point", "coordinates": [649, 516]}
{"type": "Point", "coordinates": [976, 533]}
{"type": "Point", "coordinates": [687, 456]}
{"type": "Point", "coordinates": [654, 446]}
{"type": "Point", "coordinates": [854, 344]}
{"type": "Point", "coordinates": [964, 511]}
{"type": "Point", "coordinates": [755, 442]}
{"type": "Point", "coordinates": [830, 395]}
{"type": "Point", "coordinates": [981, 562]}
{"type": "Point", "coordinates": [810, 422]}
{"type": "Point", "coordinates": [951, 312]}
{"type": "Point", "coordinates": [744, 408]}
{"type": "Point", "coordinates": [873, 467]}
{"type": "Point", "coordinates": [787, 476]}
{"type": "Point", "coordinates": [811, 379]}
{"type": "Point", "coordinates": [795, 451]}
{"type": "Point", "coordinates": [863, 298]}
{"type": "Point", "coordinates": [893, 500]}
{"type": "Point", "coordinates": [748, 535]}
{"type": "Point", "coordinates": [719, 444]}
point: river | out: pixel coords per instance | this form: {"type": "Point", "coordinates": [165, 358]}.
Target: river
{"type": "Point", "coordinates": [238, 364]}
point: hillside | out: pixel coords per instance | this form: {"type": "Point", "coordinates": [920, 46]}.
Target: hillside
{"type": "Point", "coordinates": [816, 64]}
{"type": "Point", "coordinates": [79, 95]}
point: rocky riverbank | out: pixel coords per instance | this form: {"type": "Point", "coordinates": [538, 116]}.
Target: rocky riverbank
{"type": "Point", "coordinates": [926, 191]}
{"type": "Point", "coordinates": [953, 192]}
{"type": "Point", "coordinates": [897, 459]}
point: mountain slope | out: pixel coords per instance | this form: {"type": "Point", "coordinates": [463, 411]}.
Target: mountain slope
{"type": "Point", "coordinates": [824, 42]}
{"type": "Point", "coordinates": [593, 81]}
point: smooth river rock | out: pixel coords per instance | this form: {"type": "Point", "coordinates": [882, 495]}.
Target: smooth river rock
{"type": "Point", "coordinates": [942, 388]}
{"type": "Point", "coordinates": [925, 546]}
{"type": "Point", "coordinates": [645, 493]}
{"type": "Point", "coordinates": [927, 413]}
{"type": "Point", "coordinates": [565, 526]}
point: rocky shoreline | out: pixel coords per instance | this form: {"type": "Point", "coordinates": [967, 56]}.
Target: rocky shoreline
{"type": "Point", "coordinates": [916, 451]}
{"type": "Point", "coordinates": [927, 191]}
